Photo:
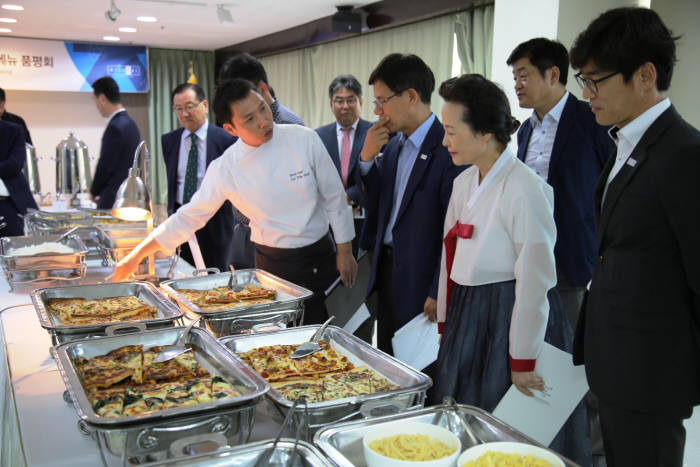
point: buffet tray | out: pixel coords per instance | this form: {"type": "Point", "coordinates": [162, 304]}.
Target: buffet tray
{"type": "Point", "coordinates": [167, 311]}
{"type": "Point", "coordinates": [342, 443]}
{"type": "Point", "coordinates": [209, 353]}
{"type": "Point", "coordinates": [42, 261]}
{"type": "Point", "coordinates": [248, 322]}
{"type": "Point", "coordinates": [413, 384]}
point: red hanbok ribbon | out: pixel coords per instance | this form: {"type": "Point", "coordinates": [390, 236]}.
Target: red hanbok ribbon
{"type": "Point", "coordinates": [450, 241]}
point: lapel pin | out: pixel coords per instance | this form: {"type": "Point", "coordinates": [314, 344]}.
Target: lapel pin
{"type": "Point", "coordinates": [423, 156]}
{"type": "Point", "coordinates": [631, 162]}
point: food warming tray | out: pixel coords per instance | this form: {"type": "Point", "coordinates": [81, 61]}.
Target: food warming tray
{"type": "Point", "coordinates": [168, 313]}
{"type": "Point", "coordinates": [209, 353]}
{"type": "Point", "coordinates": [413, 384]}
{"type": "Point", "coordinates": [290, 297]}
{"type": "Point", "coordinates": [342, 443]}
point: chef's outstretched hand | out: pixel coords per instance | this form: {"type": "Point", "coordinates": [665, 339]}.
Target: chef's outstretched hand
{"type": "Point", "coordinates": [346, 264]}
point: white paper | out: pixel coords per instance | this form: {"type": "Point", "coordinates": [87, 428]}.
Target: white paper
{"type": "Point", "coordinates": [196, 252]}
{"type": "Point", "coordinates": [541, 417]}
{"type": "Point", "coordinates": [360, 316]}
{"type": "Point", "coordinates": [417, 342]}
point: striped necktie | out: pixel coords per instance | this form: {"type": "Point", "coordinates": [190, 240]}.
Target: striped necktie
{"type": "Point", "coordinates": [191, 171]}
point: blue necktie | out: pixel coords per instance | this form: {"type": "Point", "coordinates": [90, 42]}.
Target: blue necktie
{"type": "Point", "coordinates": [191, 171]}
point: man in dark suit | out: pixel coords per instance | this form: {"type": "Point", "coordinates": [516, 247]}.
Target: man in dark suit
{"type": "Point", "coordinates": [188, 151]}
{"type": "Point", "coordinates": [119, 141]}
{"type": "Point", "coordinates": [639, 333]}
{"type": "Point", "coordinates": [15, 196]}
{"type": "Point", "coordinates": [564, 145]}
{"type": "Point", "coordinates": [406, 190]}
{"type": "Point", "coordinates": [13, 118]}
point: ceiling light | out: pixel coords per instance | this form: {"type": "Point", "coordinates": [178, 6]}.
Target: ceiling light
{"type": "Point", "coordinates": [13, 7]}
{"type": "Point", "coordinates": [8, 20]}
{"type": "Point", "coordinates": [111, 38]}
{"type": "Point", "coordinates": [146, 19]}
{"type": "Point", "coordinates": [5, 30]}
{"type": "Point", "coordinates": [127, 29]}
{"type": "Point", "coordinates": [223, 14]}
{"type": "Point", "coordinates": [113, 13]}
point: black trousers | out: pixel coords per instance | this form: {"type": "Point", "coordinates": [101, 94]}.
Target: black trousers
{"type": "Point", "coordinates": [642, 439]}
{"type": "Point", "coordinates": [385, 301]}
{"type": "Point", "coordinates": [313, 267]}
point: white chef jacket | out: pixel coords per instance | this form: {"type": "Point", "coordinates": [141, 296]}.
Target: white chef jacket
{"type": "Point", "coordinates": [288, 187]}
{"type": "Point", "coordinates": [514, 235]}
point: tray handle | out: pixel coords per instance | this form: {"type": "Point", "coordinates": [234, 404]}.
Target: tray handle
{"type": "Point", "coordinates": [205, 271]}
{"type": "Point", "coordinates": [198, 444]}
{"type": "Point", "coordinates": [238, 324]}
{"type": "Point", "coordinates": [111, 330]}
{"type": "Point", "coordinates": [147, 439]}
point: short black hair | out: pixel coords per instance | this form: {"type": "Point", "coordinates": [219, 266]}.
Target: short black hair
{"type": "Point", "coordinates": [543, 54]}
{"type": "Point", "coordinates": [348, 82]}
{"type": "Point", "coordinates": [2, 95]}
{"type": "Point", "coordinates": [107, 87]}
{"type": "Point", "coordinates": [486, 108]}
{"type": "Point", "coordinates": [623, 39]}
{"type": "Point", "coordinates": [405, 71]}
{"type": "Point", "coordinates": [227, 93]}
{"type": "Point", "coordinates": [243, 66]}
{"type": "Point", "coordinates": [199, 92]}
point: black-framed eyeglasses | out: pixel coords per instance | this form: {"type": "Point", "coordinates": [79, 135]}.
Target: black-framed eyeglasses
{"type": "Point", "coordinates": [379, 103]}
{"type": "Point", "coordinates": [590, 83]}
{"type": "Point", "coordinates": [187, 108]}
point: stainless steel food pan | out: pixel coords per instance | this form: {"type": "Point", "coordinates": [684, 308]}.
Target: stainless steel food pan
{"type": "Point", "coordinates": [210, 354]}
{"type": "Point", "coordinates": [413, 384]}
{"type": "Point", "coordinates": [42, 261]}
{"type": "Point", "coordinates": [247, 322]}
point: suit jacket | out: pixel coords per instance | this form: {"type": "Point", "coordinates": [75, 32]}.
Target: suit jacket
{"type": "Point", "coordinates": [581, 149]}
{"type": "Point", "coordinates": [638, 333]}
{"type": "Point", "coordinates": [119, 141]}
{"type": "Point", "coordinates": [329, 136]}
{"type": "Point", "coordinates": [13, 118]}
{"type": "Point", "coordinates": [417, 232]}
{"type": "Point", "coordinates": [12, 160]}
{"type": "Point", "coordinates": [215, 237]}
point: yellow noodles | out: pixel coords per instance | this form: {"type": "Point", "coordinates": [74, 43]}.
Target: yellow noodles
{"type": "Point", "coordinates": [499, 459]}
{"type": "Point", "coordinates": [411, 448]}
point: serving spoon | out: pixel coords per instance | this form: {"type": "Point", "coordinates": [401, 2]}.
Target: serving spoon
{"type": "Point", "coordinates": [172, 351]}
{"type": "Point", "coordinates": [307, 348]}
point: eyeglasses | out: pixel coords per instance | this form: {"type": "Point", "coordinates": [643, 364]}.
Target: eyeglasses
{"type": "Point", "coordinates": [591, 84]}
{"type": "Point", "coordinates": [187, 108]}
{"type": "Point", "coordinates": [379, 103]}
{"type": "Point", "coordinates": [349, 101]}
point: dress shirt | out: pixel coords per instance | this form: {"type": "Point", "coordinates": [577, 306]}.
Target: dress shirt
{"type": "Point", "coordinates": [288, 187]}
{"type": "Point", "coordinates": [339, 132]}
{"type": "Point", "coordinates": [183, 155]}
{"type": "Point", "coordinates": [407, 158]}
{"type": "Point", "coordinates": [627, 137]}
{"type": "Point", "coordinates": [281, 114]}
{"type": "Point", "coordinates": [539, 148]}
{"type": "Point", "coordinates": [3, 189]}
{"type": "Point", "coordinates": [109, 119]}
{"type": "Point", "coordinates": [514, 234]}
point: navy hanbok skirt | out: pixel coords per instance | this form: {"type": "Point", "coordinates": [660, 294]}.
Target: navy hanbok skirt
{"type": "Point", "coordinates": [473, 365]}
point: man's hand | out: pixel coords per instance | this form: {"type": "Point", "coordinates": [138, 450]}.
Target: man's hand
{"type": "Point", "coordinates": [430, 309]}
{"type": "Point", "coordinates": [94, 199]}
{"type": "Point", "coordinates": [377, 137]}
{"type": "Point", "coordinates": [346, 264]}
{"type": "Point", "coordinates": [526, 380]}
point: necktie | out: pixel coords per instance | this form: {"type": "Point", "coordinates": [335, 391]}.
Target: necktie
{"type": "Point", "coordinates": [345, 156]}
{"type": "Point", "coordinates": [191, 171]}
{"type": "Point", "coordinates": [450, 241]}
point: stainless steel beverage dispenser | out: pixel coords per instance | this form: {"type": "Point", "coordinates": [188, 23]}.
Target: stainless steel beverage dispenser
{"type": "Point", "coordinates": [72, 168]}
{"type": "Point", "coordinates": [31, 170]}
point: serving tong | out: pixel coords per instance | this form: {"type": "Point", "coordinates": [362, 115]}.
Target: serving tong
{"type": "Point", "coordinates": [172, 351]}
{"type": "Point", "coordinates": [233, 280]}
{"type": "Point", "coordinates": [307, 348]}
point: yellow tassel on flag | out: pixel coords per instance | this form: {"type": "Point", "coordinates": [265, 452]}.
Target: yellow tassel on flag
{"type": "Point", "coordinates": [192, 79]}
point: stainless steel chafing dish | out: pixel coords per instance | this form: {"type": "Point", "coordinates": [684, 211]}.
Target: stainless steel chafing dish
{"type": "Point", "coordinates": [168, 313]}
{"type": "Point", "coordinates": [286, 309]}
{"type": "Point", "coordinates": [23, 269]}
{"type": "Point", "coordinates": [209, 353]}
{"type": "Point", "coordinates": [413, 384]}
{"type": "Point", "coordinates": [305, 455]}
{"type": "Point", "coordinates": [342, 443]}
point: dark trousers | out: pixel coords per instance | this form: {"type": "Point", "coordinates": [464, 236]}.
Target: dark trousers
{"type": "Point", "coordinates": [386, 327]}
{"type": "Point", "coordinates": [571, 297]}
{"type": "Point", "coordinates": [15, 224]}
{"type": "Point", "coordinates": [642, 439]}
{"type": "Point", "coordinates": [312, 266]}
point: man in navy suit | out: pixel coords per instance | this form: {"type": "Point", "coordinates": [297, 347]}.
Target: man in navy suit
{"type": "Point", "coordinates": [119, 141]}
{"type": "Point", "coordinates": [188, 151]}
{"type": "Point", "coordinates": [15, 196]}
{"type": "Point", "coordinates": [407, 190]}
{"type": "Point", "coordinates": [564, 145]}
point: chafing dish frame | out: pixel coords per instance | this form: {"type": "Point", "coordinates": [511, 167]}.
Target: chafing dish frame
{"type": "Point", "coordinates": [207, 350]}
{"type": "Point", "coordinates": [411, 395]}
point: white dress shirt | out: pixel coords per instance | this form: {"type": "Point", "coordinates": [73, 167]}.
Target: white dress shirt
{"type": "Point", "coordinates": [539, 148]}
{"type": "Point", "coordinates": [184, 154]}
{"type": "Point", "coordinates": [288, 187]}
{"type": "Point", "coordinates": [629, 135]}
{"type": "Point", "coordinates": [514, 235]}
{"type": "Point", "coordinates": [340, 134]}
{"type": "Point", "coordinates": [109, 119]}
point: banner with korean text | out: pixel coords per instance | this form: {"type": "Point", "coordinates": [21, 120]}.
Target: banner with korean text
{"type": "Point", "coordinates": [45, 65]}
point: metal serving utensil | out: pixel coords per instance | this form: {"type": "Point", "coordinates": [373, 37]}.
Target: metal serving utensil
{"type": "Point", "coordinates": [179, 348]}
{"type": "Point", "coordinates": [233, 280]}
{"type": "Point", "coordinates": [307, 348]}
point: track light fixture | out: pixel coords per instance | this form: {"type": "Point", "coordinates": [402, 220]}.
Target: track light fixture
{"type": "Point", "coordinates": [113, 13]}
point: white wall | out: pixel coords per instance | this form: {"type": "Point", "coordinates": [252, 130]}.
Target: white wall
{"type": "Point", "coordinates": [50, 116]}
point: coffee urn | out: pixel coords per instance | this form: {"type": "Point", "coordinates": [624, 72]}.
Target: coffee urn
{"type": "Point", "coordinates": [31, 170]}
{"type": "Point", "coordinates": [72, 168]}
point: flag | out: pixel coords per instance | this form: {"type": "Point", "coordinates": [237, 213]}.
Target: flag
{"type": "Point", "coordinates": [191, 78]}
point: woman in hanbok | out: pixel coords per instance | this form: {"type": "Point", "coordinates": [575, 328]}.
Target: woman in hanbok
{"type": "Point", "coordinates": [496, 299]}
